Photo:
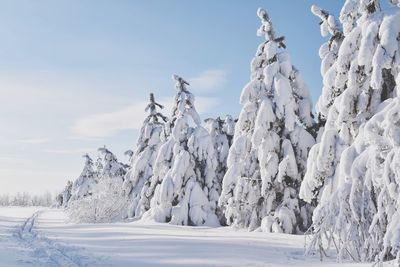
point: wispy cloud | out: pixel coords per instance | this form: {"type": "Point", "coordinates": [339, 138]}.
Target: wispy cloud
{"type": "Point", "coordinates": [129, 117]}
{"type": "Point", "coordinates": [106, 124]}
{"type": "Point", "coordinates": [70, 151]}
{"type": "Point", "coordinates": [209, 80]}
{"type": "Point", "coordinates": [33, 141]}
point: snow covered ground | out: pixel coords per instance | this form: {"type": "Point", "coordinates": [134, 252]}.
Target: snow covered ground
{"type": "Point", "coordinates": [42, 237]}
{"type": "Point", "coordinates": [12, 251]}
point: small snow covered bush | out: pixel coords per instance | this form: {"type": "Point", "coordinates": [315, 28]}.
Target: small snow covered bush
{"type": "Point", "coordinates": [106, 204]}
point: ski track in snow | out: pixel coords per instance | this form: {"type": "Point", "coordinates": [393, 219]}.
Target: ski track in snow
{"type": "Point", "coordinates": [47, 252]}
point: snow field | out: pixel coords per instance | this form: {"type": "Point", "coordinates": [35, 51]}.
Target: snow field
{"type": "Point", "coordinates": [53, 241]}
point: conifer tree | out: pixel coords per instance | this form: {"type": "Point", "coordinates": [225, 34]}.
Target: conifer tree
{"type": "Point", "coordinates": [272, 138]}
{"type": "Point", "coordinates": [142, 160]}
{"type": "Point", "coordinates": [86, 182]}
{"type": "Point", "coordinates": [350, 171]}
{"type": "Point", "coordinates": [110, 168]}
{"type": "Point", "coordinates": [66, 194]}
{"type": "Point", "coordinates": [221, 132]}
{"type": "Point", "coordinates": [186, 187]}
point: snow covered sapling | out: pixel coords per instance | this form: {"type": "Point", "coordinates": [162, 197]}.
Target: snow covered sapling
{"type": "Point", "coordinates": [186, 187]}
{"type": "Point", "coordinates": [142, 161]}
{"type": "Point", "coordinates": [65, 195]}
{"type": "Point", "coordinates": [58, 201]}
{"type": "Point", "coordinates": [272, 138]}
{"type": "Point", "coordinates": [85, 183]}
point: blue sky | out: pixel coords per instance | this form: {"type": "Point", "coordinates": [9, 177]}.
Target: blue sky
{"type": "Point", "coordinates": [75, 75]}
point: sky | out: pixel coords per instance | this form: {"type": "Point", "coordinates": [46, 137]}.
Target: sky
{"type": "Point", "coordinates": [76, 75]}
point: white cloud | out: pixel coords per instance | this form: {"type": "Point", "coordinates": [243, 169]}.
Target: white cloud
{"type": "Point", "coordinates": [208, 80]}
{"type": "Point", "coordinates": [128, 117]}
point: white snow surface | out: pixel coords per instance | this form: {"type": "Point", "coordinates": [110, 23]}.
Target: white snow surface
{"type": "Point", "coordinates": [43, 237]}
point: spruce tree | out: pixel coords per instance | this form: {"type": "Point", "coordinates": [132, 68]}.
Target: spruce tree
{"type": "Point", "coordinates": [351, 171]}
{"type": "Point", "coordinates": [272, 138]}
{"type": "Point", "coordinates": [66, 195]}
{"type": "Point", "coordinates": [86, 182]}
{"type": "Point", "coordinates": [221, 132]}
{"type": "Point", "coordinates": [110, 168]}
{"type": "Point", "coordinates": [186, 187]}
{"type": "Point", "coordinates": [142, 160]}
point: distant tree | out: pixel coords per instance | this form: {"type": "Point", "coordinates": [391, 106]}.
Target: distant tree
{"type": "Point", "coordinates": [66, 194]}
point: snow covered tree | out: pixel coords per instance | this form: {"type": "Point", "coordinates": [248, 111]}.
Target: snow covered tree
{"type": "Point", "coordinates": [221, 132]}
{"type": "Point", "coordinates": [186, 187]}
{"type": "Point", "coordinates": [110, 168]}
{"type": "Point", "coordinates": [142, 161]}
{"type": "Point", "coordinates": [272, 138]}
{"type": "Point", "coordinates": [350, 171]}
{"type": "Point", "coordinates": [58, 201]}
{"type": "Point", "coordinates": [84, 184]}
{"type": "Point", "coordinates": [65, 195]}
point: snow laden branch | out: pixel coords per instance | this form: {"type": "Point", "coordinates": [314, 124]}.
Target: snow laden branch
{"type": "Point", "coordinates": [328, 54]}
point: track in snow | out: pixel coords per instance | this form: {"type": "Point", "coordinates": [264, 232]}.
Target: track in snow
{"type": "Point", "coordinates": [47, 252]}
